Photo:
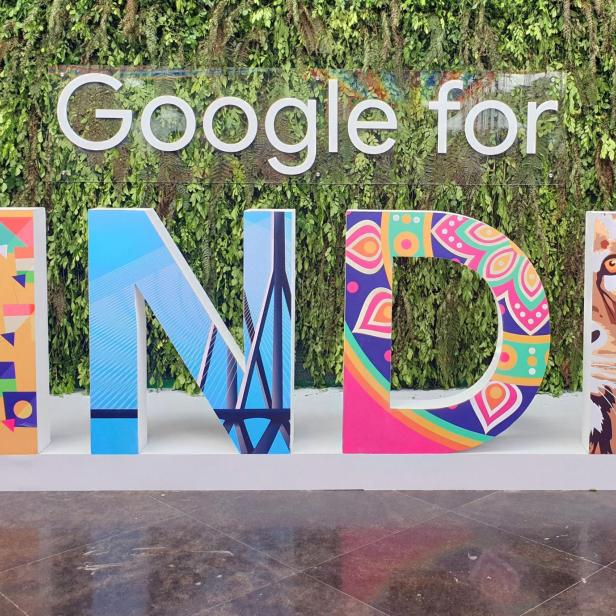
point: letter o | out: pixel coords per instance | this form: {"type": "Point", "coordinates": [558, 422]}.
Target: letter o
{"type": "Point", "coordinates": [146, 123]}
{"type": "Point", "coordinates": [512, 127]}
{"type": "Point", "coordinates": [208, 124]}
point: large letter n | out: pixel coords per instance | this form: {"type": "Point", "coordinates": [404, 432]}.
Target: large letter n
{"type": "Point", "coordinates": [133, 260]}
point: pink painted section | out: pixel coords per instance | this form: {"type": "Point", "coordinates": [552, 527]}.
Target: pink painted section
{"type": "Point", "coordinates": [18, 310]}
{"type": "Point", "coordinates": [367, 428]}
{"type": "Point", "coordinates": [10, 424]}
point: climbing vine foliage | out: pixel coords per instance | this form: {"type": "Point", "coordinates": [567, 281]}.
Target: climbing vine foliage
{"type": "Point", "coordinates": [444, 317]}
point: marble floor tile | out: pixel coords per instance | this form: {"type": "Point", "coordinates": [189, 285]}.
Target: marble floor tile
{"type": "Point", "coordinates": [453, 565]}
{"type": "Point", "coordinates": [35, 525]}
{"type": "Point", "coordinates": [304, 528]}
{"type": "Point", "coordinates": [8, 609]}
{"type": "Point", "coordinates": [449, 499]}
{"type": "Point", "coordinates": [178, 567]}
{"type": "Point", "coordinates": [298, 595]}
{"type": "Point", "coordinates": [581, 523]}
{"type": "Point", "coordinates": [596, 596]}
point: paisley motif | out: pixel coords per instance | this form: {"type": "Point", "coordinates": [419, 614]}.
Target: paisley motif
{"type": "Point", "coordinates": [529, 280]}
{"type": "Point", "coordinates": [495, 403]}
{"type": "Point", "coordinates": [484, 234]}
{"type": "Point", "coordinates": [363, 247]}
{"type": "Point", "coordinates": [500, 264]}
{"type": "Point", "coordinates": [375, 315]}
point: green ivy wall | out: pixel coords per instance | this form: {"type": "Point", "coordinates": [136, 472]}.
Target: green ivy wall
{"type": "Point", "coordinates": [439, 340]}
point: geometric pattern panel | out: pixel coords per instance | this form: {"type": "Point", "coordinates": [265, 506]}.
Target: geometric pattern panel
{"type": "Point", "coordinates": [18, 340]}
{"type": "Point", "coordinates": [257, 414]}
{"type": "Point", "coordinates": [600, 333]}
{"type": "Point", "coordinates": [133, 260]}
{"type": "Point", "coordinates": [490, 406]}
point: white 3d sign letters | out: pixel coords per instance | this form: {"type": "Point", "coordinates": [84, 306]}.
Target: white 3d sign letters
{"type": "Point", "coordinates": [355, 124]}
{"type": "Point", "coordinates": [306, 147]}
{"type": "Point", "coordinates": [512, 128]}
{"type": "Point", "coordinates": [208, 124]}
{"type": "Point", "coordinates": [442, 106]}
{"type": "Point", "coordinates": [189, 117]}
{"type": "Point", "coordinates": [308, 143]}
{"type": "Point", "coordinates": [103, 114]}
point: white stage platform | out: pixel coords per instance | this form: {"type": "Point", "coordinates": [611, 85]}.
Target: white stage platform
{"type": "Point", "coordinates": [188, 450]}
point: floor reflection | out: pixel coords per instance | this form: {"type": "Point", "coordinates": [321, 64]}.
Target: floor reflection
{"type": "Point", "coordinates": [142, 554]}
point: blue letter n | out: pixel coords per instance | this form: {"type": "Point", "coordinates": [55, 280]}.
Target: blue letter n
{"type": "Point", "coordinates": [133, 260]}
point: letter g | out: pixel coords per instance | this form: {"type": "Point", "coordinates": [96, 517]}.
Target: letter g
{"type": "Point", "coordinates": [107, 114]}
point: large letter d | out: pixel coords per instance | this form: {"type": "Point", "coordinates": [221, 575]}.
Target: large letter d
{"type": "Point", "coordinates": [503, 393]}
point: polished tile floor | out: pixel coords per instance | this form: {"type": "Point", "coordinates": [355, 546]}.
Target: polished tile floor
{"type": "Point", "coordinates": [307, 553]}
